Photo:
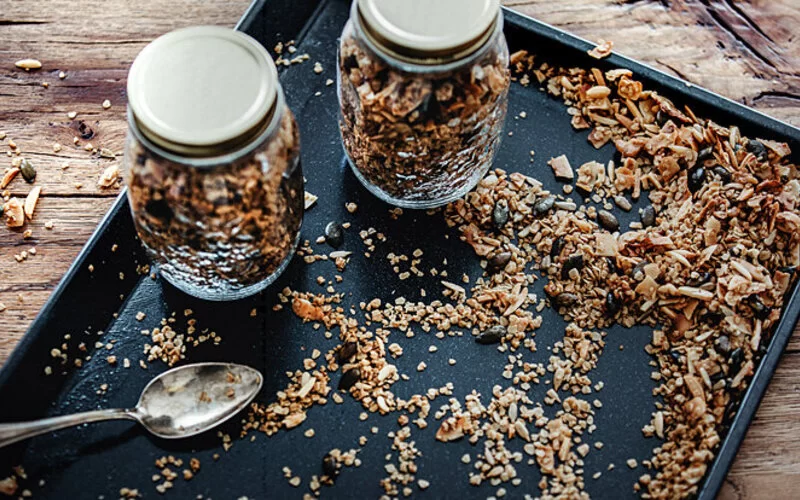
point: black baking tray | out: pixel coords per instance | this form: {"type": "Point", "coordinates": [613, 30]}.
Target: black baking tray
{"type": "Point", "coordinates": [96, 461]}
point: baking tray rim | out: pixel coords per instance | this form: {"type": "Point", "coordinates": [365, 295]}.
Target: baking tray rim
{"type": "Point", "coordinates": [749, 404]}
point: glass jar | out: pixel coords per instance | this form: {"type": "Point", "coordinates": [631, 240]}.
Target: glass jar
{"type": "Point", "coordinates": [423, 90]}
{"type": "Point", "coordinates": [212, 163]}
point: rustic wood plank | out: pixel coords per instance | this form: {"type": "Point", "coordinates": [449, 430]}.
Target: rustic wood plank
{"type": "Point", "coordinates": [745, 50]}
{"type": "Point", "coordinates": [74, 220]}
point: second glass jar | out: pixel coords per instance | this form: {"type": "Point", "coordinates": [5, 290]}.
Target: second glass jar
{"type": "Point", "coordinates": [420, 132]}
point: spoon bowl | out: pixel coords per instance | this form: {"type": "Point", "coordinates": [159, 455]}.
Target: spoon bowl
{"type": "Point", "coordinates": [191, 399]}
{"type": "Point", "coordinates": [179, 403]}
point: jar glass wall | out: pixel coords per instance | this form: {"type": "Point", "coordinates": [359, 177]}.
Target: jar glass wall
{"type": "Point", "coordinates": [420, 135]}
{"type": "Point", "coordinates": [219, 228]}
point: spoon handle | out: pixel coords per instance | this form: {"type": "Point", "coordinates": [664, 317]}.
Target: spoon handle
{"type": "Point", "coordinates": [17, 431]}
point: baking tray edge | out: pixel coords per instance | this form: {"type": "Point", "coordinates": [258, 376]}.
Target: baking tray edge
{"type": "Point", "coordinates": [760, 381]}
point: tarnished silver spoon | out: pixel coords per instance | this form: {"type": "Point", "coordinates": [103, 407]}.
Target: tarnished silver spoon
{"type": "Point", "coordinates": [178, 403]}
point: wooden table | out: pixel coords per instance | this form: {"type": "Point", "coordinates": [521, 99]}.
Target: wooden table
{"type": "Point", "coordinates": [745, 50]}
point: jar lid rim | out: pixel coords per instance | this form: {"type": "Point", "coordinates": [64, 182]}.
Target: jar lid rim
{"type": "Point", "coordinates": [429, 28]}
{"type": "Point", "coordinates": [201, 87]}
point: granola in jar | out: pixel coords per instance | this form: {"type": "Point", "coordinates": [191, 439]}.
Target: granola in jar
{"type": "Point", "coordinates": [423, 89]}
{"type": "Point", "coordinates": [214, 177]}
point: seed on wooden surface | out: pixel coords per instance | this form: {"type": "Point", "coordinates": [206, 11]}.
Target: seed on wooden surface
{"type": "Point", "coordinates": [28, 64]}
{"type": "Point", "coordinates": [607, 221]}
{"type": "Point", "coordinates": [106, 104]}
{"type": "Point", "coordinates": [61, 75]}
{"type": "Point", "coordinates": [27, 171]}
{"type": "Point", "coordinates": [491, 336]}
{"type": "Point", "coordinates": [9, 176]}
{"type": "Point", "coordinates": [334, 235]}
{"type": "Point", "coordinates": [72, 115]}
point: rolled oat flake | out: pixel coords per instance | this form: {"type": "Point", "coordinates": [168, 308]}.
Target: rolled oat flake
{"type": "Point", "coordinates": [212, 162]}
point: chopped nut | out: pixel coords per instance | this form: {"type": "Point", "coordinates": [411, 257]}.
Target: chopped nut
{"type": "Point", "coordinates": [14, 212]}
{"type": "Point", "coordinates": [109, 177]}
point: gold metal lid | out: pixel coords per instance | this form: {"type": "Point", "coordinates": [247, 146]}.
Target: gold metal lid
{"type": "Point", "coordinates": [429, 29]}
{"type": "Point", "coordinates": [199, 91]}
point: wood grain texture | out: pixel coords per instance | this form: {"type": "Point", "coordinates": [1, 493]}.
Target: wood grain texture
{"type": "Point", "coordinates": [748, 51]}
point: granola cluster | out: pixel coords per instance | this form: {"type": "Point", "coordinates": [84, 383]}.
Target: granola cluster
{"type": "Point", "coordinates": [708, 267]}
{"type": "Point", "coordinates": [421, 139]}
{"type": "Point", "coordinates": [221, 232]}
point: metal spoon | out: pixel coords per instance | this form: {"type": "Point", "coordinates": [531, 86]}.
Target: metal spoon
{"type": "Point", "coordinates": [178, 403]}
